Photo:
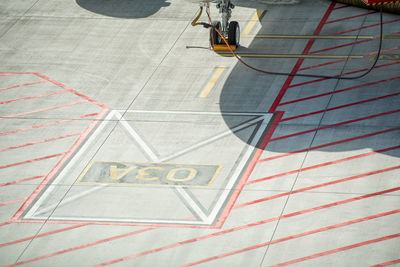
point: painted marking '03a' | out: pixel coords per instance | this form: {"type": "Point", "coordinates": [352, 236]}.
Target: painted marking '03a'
{"type": "Point", "coordinates": [151, 173]}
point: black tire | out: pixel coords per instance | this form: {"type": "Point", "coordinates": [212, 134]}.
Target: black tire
{"type": "Point", "coordinates": [215, 38]}
{"type": "Point", "coordinates": [234, 33]}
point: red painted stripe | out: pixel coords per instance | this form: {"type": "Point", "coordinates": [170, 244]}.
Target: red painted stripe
{"type": "Point", "coordinates": [16, 72]}
{"type": "Point", "coordinates": [20, 85]}
{"type": "Point", "coordinates": [340, 107]}
{"type": "Point", "coordinates": [324, 64]}
{"type": "Point", "coordinates": [152, 225]}
{"type": "Point", "coordinates": [32, 97]}
{"type": "Point", "coordinates": [49, 124]}
{"type": "Point", "coordinates": [340, 7]}
{"type": "Point", "coordinates": [301, 60]}
{"type": "Point", "coordinates": [332, 251]}
{"type": "Point", "coordinates": [366, 27]}
{"type": "Point", "coordinates": [22, 180]}
{"type": "Point", "coordinates": [339, 91]}
{"type": "Point", "coordinates": [352, 17]}
{"type": "Point", "coordinates": [344, 74]}
{"type": "Point", "coordinates": [59, 164]}
{"type": "Point", "coordinates": [330, 144]}
{"type": "Point", "coordinates": [344, 45]}
{"type": "Point", "coordinates": [31, 160]}
{"type": "Point", "coordinates": [12, 201]}
{"type": "Point", "coordinates": [42, 235]}
{"type": "Point", "coordinates": [388, 263]}
{"type": "Point", "coordinates": [284, 88]}
{"type": "Point", "coordinates": [324, 164]}
{"type": "Point", "coordinates": [43, 109]}
{"type": "Point", "coordinates": [317, 186]}
{"type": "Point", "coordinates": [5, 223]}
{"type": "Point", "coordinates": [71, 90]}
{"type": "Point", "coordinates": [294, 237]}
{"type": "Point", "coordinates": [337, 124]}
{"type": "Point", "coordinates": [386, 50]}
{"type": "Point", "coordinates": [39, 142]}
{"type": "Point", "coordinates": [81, 247]}
{"type": "Point", "coordinates": [285, 216]}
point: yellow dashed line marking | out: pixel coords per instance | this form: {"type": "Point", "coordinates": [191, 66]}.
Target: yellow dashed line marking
{"type": "Point", "coordinates": [253, 21]}
{"type": "Point", "coordinates": [211, 83]}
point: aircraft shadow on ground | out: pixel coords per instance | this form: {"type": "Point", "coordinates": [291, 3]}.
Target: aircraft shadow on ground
{"type": "Point", "coordinates": [123, 8]}
{"type": "Point", "coordinates": [244, 90]}
{"type": "Point", "coordinates": [248, 91]}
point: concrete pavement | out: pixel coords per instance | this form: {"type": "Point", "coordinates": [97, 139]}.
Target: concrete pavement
{"type": "Point", "coordinates": [120, 145]}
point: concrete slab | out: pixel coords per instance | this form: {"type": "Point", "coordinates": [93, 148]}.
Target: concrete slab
{"type": "Point", "coordinates": [120, 144]}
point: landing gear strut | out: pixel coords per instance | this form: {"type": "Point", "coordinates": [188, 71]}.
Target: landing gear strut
{"type": "Point", "coordinates": [229, 29]}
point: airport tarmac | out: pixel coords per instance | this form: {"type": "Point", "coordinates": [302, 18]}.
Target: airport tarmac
{"type": "Point", "coordinates": [121, 145]}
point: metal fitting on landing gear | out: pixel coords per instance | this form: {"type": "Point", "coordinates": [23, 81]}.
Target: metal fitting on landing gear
{"type": "Point", "coordinates": [225, 9]}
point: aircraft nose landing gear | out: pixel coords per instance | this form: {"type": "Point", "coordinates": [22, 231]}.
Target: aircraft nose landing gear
{"type": "Point", "coordinates": [224, 32]}
{"type": "Point", "coordinates": [229, 30]}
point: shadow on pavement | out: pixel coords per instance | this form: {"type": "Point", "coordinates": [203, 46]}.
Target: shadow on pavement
{"type": "Point", "coordinates": [248, 91]}
{"type": "Point", "coordinates": [123, 8]}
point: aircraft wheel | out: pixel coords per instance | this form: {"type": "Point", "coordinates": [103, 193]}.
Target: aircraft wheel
{"type": "Point", "coordinates": [234, 33]}
{"type": "Point", "coordinates": [215, 38]}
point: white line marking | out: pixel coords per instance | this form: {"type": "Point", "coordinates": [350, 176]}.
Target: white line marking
{"type": "Point", "coordinates": [192, 204]}
{"type": "Point", "coordinates": [212, 139]}
{"type": "Point", "coordinates": [138, 138]}
{"type": "Point", "coordinates": [69, 165]}
{"type": "Point", "coordinates": [206, 220]}
{"type": "Point", "coordinates": [196, 112]}
{"type": "Point", "coordinates": [70, 199]}
{"type": "Point", "coordinates": [239, 169]}
{"type": "Point", "coordinates": [144, 221]}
